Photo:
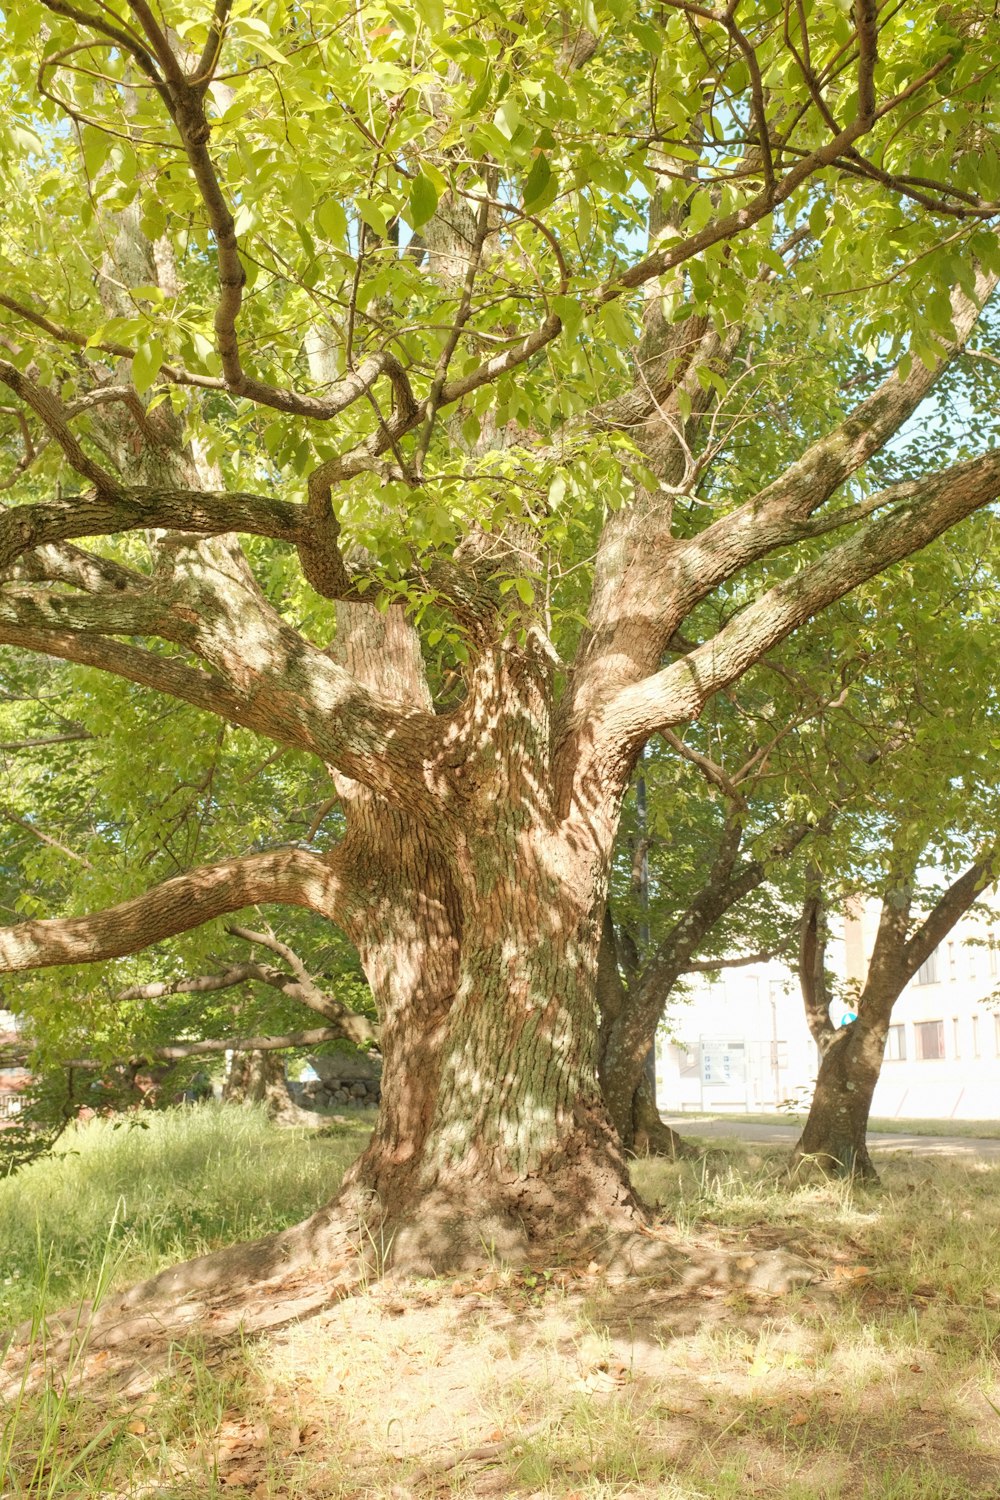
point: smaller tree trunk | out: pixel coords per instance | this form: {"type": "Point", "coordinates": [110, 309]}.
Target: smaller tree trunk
{"type": "Point", "coordinates": [632, 1107]}
{"type": "Point", "coordinates": [650, 1136]}
{"type": "Point", "coordinates": [834, 1137]}
{"type": "Point", "coordinates": [259, 1078]}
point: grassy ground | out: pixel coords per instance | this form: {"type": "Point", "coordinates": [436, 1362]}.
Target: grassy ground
{"type": "Point", "coordinates": [879, 1380]}
{"type": "Point", "coordinates": [135, 1197]}
{"type": "Point", "coordinates": [983, 1130]}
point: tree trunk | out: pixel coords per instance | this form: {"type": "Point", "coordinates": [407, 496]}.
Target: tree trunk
{"type": "Point", "coordinates": [492, 1133]}
{"type": "Point", "coordinates": [632, 1106]}
{"type": "Point", "coordinates": [650, 1136]}
{"type": "Point", "coordinates": [259, 1078]}
{"type": "Point", "coordinates": [835, 1132]}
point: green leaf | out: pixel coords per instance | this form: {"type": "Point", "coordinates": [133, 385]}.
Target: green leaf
{"type": "Point", "coordinates": [508, 117]}
{"type": "Point", "coordinates": [301, 197]}
{"type": "Point", "coordinates": [432, 13]}
{"type": "Point", "coordinates": [423, 200]}
{"type": "Point", "coordinates": [536, 181]}
{"type": "Point", "coordinates": [699, 212]}
{"type": "Point", "coordinates": [570, 314]}
{"type": "Point", "coordinates": [373, 216]}
{"type": "Point", "coordinates": [618, 325]}
{"type": "Point", "coordinates": [332, 221]}
{"type": "Point", "coordinates": [818, 219]}
{"type": "Point", "coordinates": [479, 95]}
{"type": "Point", "coordinates": [146, 364]}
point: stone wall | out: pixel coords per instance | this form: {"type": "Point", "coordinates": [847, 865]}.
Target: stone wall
{"type": "Point", "coordinates": [334, 1093]}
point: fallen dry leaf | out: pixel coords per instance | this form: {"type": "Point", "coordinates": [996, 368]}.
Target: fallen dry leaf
{"type": "Point", "coordinates": [799, 1419]}
{"type": "Point", "coordinates": [851, 1273]}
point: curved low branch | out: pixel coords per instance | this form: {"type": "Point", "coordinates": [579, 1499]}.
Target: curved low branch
{"type": "Point", "coordinates": [163, 674]}
{"type": "Point", "coordinates": [289, 876]}
{"type": "Point", "coordinates": [178, 1050]}
{"type": "Point", "coordinates": [291, 692]}
{"type": "Point", "coordinates": [299, 985]}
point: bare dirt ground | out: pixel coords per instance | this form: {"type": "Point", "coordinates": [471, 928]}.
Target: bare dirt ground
{"type": "Point", "coordinates": [769, 1344]}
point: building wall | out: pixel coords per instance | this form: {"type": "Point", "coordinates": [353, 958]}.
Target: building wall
{"type": "Point", "coordinates": [13, 1078]}
{"type": "Point", "coordinates": [943, 1055]}
{"type": "Point", "coordinates": [741, 1042]}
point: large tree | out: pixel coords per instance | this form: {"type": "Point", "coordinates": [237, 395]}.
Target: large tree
{"type": "Point", "coordinates": [403, 359]}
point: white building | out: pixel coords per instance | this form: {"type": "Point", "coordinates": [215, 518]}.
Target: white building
{"type": "Point", "coordinates": [740, 1041]}
{"type": "Point", "coordinates": [13, 1078]}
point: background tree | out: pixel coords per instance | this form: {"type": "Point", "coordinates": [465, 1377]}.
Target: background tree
{"type": "Point", "coordinates": [731, 808]}
{"type": "Point", "coordinates": [924, 841]}
{"type": "Point", "coordinates": [358, 326]}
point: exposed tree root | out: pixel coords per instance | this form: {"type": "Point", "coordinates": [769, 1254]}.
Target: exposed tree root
{"type": "Point", "coordinates": [847, 1164]}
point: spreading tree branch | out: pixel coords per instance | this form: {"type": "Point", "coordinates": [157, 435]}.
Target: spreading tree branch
{"type": "Point", "coordinates": [288, 876]}
{"type": "Point", "coordinates": [177, 1051]}
{"type": "Point", "coordinates": [680, 691]}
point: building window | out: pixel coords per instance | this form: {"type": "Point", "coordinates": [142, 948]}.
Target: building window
{"type": "Point", "coordinates": [930, 1039]}
{"type": "Point", "coordinates": [975, 1036]}
{"type": "Point", "coordinates": [927, 973]}
{"type": "Point", "coordinates": [956, 1034]}
{"type": "Point", "coordinates": [952, 963]}
{"type": "Point", "coordinates": [993, 954]}
{"type": "Point", "coordinates": [895, 1044]}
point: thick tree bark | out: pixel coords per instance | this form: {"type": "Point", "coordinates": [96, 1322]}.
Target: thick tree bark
{"type": "Point", "coordinates": [493, 1133]}
{"type": "Point", "coordinates": [492, 1129]}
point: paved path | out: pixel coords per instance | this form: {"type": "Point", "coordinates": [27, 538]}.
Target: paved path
{"type": "Point", "coordinates": [718, 1127]}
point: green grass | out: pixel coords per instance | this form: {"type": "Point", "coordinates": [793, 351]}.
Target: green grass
{"type": "Point", "coordinates": [143, 1194]}
{"type": "Point", "coordinates": [986, 1130]}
